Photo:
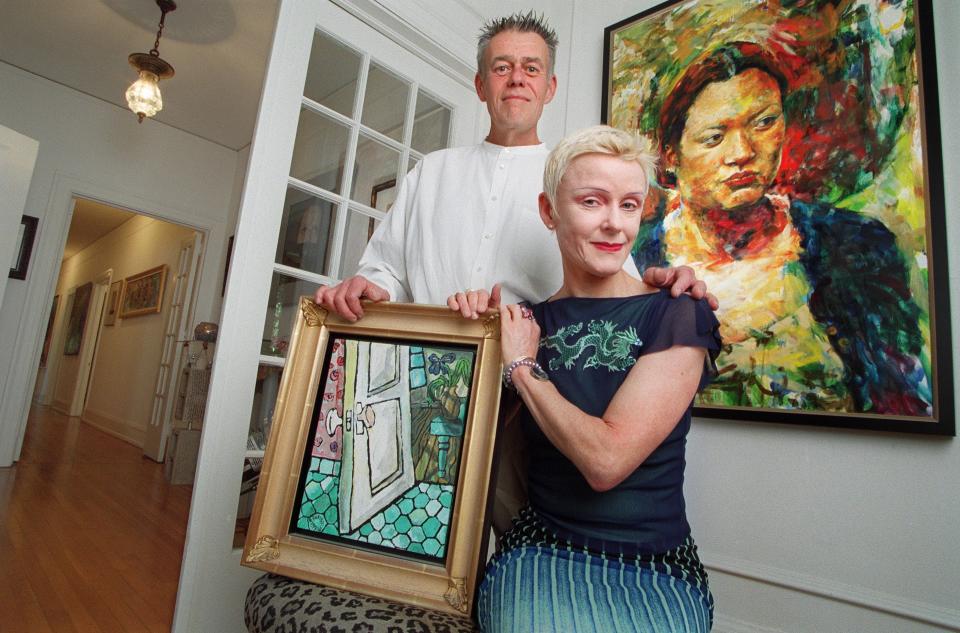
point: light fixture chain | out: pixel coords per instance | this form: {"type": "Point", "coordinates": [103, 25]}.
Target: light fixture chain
{"type": "Point", "coordinates": [156, 44]}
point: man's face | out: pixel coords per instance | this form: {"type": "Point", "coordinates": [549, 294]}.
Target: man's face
{"type": "Point", "coordinates": [514, 82]}
{"type": "Point", "coordinates": [730, 148]}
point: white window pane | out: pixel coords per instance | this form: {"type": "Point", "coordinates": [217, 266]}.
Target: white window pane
{"type": "Point", "coordinates": [385, 102]}
{"type": "Point", "coordinates": [376, 164]}
{"type": "Point", "coordinates": [431, 125]}
{"type": "Point", "coordinates": [359, 229]}
{"type": "Point", "coordinates": [319, 151]}
{"type": "Point", "coordinates": [285, 293]}
{"type": "Point", "coordinates": [306, 232]}
{"type": "Point", "coordinates": [332, 74]}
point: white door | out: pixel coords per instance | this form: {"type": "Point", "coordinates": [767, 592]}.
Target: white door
{"type": "Point", "coordinates": [377, 466]}
{"type": "Point", "coordinates": [91, 341]}
{"type": "Point", "coordinates": [18, 153]}
{"type": "Point", "coordinates": [177, 331]}
{"type": "Point", "coordinates": [345, 109]}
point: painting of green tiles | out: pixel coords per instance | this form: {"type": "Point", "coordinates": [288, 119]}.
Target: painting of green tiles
{"type": "Point", "coordinates": [388, 423]}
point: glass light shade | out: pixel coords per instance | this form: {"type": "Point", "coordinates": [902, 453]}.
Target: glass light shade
{"type": "Point", "coordinates": [143, 95]}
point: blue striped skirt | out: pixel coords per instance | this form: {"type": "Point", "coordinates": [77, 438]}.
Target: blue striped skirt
{"type": "Point", "coordinates": [539, 583]}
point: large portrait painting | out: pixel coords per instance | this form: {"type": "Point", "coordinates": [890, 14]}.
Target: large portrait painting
{"type": "Point", "coordinates": [377, 472]}
{"type": "Point", "coordinates": [800, 178]}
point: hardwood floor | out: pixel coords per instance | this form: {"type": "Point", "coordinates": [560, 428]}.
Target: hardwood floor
{"type": "Point", "coordinates": [91, 534]}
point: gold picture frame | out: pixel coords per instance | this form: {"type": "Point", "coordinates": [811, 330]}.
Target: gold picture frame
{"type": "Point", "coordinates": [143, 292]}
{"type": "Point", "coordinates": [340, 437]}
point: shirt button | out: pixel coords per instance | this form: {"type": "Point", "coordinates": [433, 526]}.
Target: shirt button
{"type": "Point", "coordinates": [479, 268]}
{"type": "Point", "coordinates": [493, 197]}
{"type": "Point", "coordinates": [500, 166]}
{"type": "Point", "coordinates": [487, 236]}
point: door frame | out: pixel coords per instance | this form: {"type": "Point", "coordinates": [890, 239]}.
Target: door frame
{"type": "Point", "coordinates": [18, 393]}
{"type": "Point", "coordinates": [212, 582]}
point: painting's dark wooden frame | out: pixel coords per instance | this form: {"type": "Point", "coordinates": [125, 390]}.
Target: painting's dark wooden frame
{"type": "Point", "coordinates": [374, 193]}
{"type": "Point", "coordinates": [25, 247]}
{"type": "Point", "coordinates": [943, 420]}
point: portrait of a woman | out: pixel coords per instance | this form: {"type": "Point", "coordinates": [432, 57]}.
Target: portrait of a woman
{"type": "Point", "coordinates": [815, 301]}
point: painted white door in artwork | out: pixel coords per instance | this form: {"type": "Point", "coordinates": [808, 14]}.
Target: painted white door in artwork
{"type": "Point", "coordinates": [377, 465]}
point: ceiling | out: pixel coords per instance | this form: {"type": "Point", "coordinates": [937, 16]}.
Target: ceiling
{"type": "Point", "coordinates": [218, 48]}
{"type": "Point", "coordinates": [91, 221]}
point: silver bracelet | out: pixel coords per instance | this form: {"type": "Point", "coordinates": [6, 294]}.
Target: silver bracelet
{"type": "Point", "coordinates": [524, 361]}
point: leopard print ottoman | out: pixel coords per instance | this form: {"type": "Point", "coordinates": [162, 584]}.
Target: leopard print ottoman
{"type": "Point", "coordinates": [276, 604]}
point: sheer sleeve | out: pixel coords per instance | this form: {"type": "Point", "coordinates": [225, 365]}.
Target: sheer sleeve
{"type": "Point", "coordinates": [689, 323]}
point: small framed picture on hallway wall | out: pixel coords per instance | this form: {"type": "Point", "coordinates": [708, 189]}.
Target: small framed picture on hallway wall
{"type": "Point", "coordinates": [143, 292]}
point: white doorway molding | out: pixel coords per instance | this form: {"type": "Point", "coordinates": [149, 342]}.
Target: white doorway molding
{"type": "Point", "coordinates": [16, 394]}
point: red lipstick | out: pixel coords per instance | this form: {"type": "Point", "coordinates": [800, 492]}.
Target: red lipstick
{"type": "Point", "coordinates": [608, 246]}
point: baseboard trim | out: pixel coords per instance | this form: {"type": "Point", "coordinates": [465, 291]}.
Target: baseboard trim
{"type": "Point", "coordinates": [830, 589]}
{"type": "Point", "coordinates": [726, 624]}
{"type": "Point", "coordinates": [113, 427]}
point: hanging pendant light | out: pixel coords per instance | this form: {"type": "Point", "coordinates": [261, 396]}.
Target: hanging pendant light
{"type": "Point", "coordinates": [143, 96]}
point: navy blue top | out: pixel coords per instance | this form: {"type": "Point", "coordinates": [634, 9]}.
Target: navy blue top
{"type": "Point", "coordinates": [588, 347]}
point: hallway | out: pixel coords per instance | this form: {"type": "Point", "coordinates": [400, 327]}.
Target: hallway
{"type": "Point", "coordinates": [91, 534]}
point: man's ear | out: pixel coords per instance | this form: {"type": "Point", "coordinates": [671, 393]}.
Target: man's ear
{"type": "Point", "coordinates": [478, 84]}
{"type": "Point", "coordinates": [546, 211]}
{"type": "Point", "coordinates": [551, 88]}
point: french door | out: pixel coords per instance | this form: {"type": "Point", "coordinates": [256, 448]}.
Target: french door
{"type": "Point", "coordinates": [345, 113]}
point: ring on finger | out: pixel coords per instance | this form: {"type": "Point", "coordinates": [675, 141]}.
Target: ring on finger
{"type": "Point", "coordinates": [526, 312]}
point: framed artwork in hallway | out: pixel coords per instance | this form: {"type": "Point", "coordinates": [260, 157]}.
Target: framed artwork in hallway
{"type": "Point", "coordinates": [378, 468]}
{"type": "Point", "coordinates": [143, 292]}
{"type": "Point", "coordinates": [801, 178]}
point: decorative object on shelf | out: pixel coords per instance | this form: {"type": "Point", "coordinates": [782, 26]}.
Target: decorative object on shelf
{"type": "Point", "coordinates": [143, 292]}
{"type": "Point", "coordinates": [143, 95]}
{"type": "Point", "coordinates": [206, 332]}
{"type": "Point", "coordinates": [354, 491]}
{"type": "Point", "coordinates": [825, 241]}
{"type": "Point", "coordinates": [113, 303]}
{"type": "Point", "coordinates": [196, 379]}
{"type": "Point", "coordinates": [24, 247]}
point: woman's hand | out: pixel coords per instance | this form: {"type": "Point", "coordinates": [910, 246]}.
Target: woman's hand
{"type": "Point", "coordinates": [472, 303]}
{"type": "Point", "coordinates": [519, 333]}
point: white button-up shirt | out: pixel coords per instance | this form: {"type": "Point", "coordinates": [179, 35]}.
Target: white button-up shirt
{"type": "Point", "coordinates": [467, 218]}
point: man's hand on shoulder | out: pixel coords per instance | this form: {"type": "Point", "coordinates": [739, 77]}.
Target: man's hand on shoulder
{"type": "Point", "coordinates": [680, 279]}
{"type": "Point", "coordinates": [344, 298]}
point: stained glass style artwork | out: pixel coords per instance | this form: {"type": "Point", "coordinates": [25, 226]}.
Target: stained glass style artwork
{"type": "Point", "coordinates": [382, 468]}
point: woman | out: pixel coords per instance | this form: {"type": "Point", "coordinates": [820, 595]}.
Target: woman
{"type": "Point", "coordinates": [604, 544]}
{"type": "Point", "coordinates": [815, 300]}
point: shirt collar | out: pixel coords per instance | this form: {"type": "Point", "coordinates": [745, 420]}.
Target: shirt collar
{"type": "Point", "coordinates": [516, 149]}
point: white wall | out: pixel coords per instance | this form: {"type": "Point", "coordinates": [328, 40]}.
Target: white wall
{"type": "Point", "coordinates": [818, 530]}
{"type": "Point", "coordinates": [97, 150]}
{"type": "Point", "coordinates": [120, 396]}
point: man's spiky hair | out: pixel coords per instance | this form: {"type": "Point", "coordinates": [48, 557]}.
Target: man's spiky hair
{"type": "Point", "coordinates": [529, 22]}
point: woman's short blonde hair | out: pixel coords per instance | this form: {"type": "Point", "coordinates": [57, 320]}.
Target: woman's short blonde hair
{"type": "Point", "coordinates": [599, 139]}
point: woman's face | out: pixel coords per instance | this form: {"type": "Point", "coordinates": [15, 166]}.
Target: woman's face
{"type": "Point", "coordinates": [598, 206]}
{"type": "Point", "coordinates": [729, 151]}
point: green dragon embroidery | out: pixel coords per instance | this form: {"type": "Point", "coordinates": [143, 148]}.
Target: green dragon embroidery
{"type": "Point", "coordinates": [611, 347]}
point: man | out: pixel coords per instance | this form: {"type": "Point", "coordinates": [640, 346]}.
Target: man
{"type": "Point", "coordinates": [467, 217]}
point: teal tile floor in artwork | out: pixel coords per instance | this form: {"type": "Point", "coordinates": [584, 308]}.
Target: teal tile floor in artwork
{"type": "Point", "coordinates": [417, 522]}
